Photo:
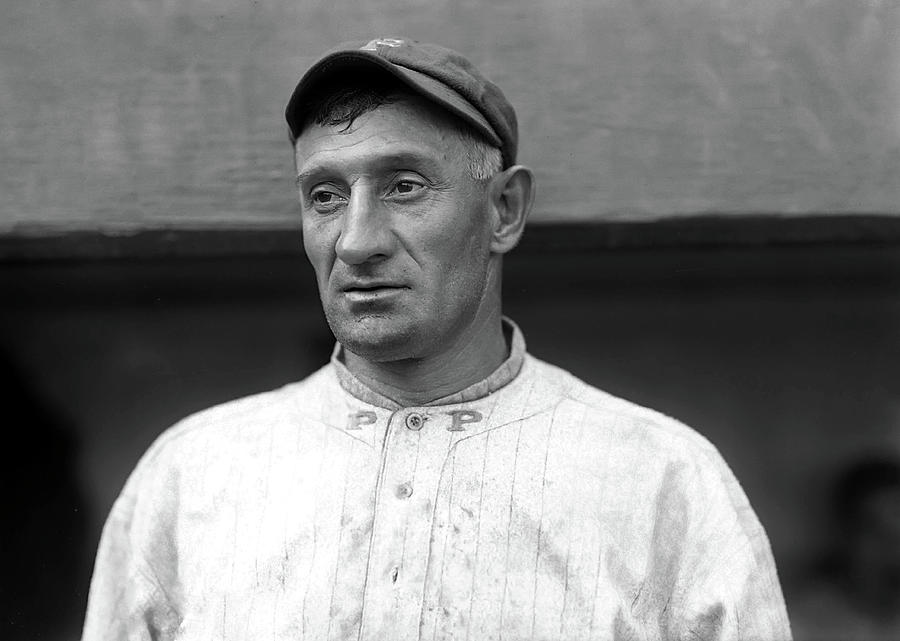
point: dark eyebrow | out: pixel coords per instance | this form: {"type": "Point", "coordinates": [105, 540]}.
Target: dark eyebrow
{"type": "Point", "coordinates": [387, 162]}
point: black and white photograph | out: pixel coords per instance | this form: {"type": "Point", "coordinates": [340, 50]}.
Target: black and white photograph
{"type": "Point", "coordinates": [407, 320]}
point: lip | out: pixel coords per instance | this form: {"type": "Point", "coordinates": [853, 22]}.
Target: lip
{"type": "Point", "coordinates": [370, 285]}
{"type": "Point", "coordinates": [371, 291]}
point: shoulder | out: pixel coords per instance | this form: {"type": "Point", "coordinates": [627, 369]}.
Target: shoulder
{"type": "Point", "coordinates": [661, 493]}
{"type": "Point", "coordinates": [629, 424]}
{"type": "Point", "coordinates": [656, 470]}
{"type": "Point", "coordinates": [652, 460]}
{"type": "Point", "coordinates": [640, 452]}
{"type": "Point", "coordinates": [241, 425]}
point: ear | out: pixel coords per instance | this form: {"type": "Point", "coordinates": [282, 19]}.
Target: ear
{"type": "Point", "coordinates": [511, 198]}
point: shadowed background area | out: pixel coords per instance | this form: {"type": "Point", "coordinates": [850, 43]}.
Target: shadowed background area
{"type": "Point", "coordinates": [717, 236]}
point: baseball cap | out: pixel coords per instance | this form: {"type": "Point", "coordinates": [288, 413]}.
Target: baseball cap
{"type": "Point", "coordinates": [440, 75]}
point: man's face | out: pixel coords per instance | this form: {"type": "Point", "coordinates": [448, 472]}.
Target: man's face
{"type": "Point", "coordinates": [396, 230]}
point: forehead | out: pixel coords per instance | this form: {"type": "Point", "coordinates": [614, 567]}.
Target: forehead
{"type": "Point", "coordinates": [409, 128]}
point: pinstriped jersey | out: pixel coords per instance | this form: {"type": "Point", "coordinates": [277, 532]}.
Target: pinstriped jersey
{"type": "Point", "coordinates": [530, 506]}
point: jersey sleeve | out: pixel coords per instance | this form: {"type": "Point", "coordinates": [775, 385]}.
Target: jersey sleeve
{"type": "Point", "coordinates": [730, 587]}
{"type": "Point", "coordinates": [130, 597]}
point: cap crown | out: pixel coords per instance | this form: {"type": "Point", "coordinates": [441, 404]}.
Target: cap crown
{"type": "Point", "coordinates": [440, 74]}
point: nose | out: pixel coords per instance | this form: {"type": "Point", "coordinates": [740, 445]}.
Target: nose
{"type": "Point", "coordinates": [365, 235]}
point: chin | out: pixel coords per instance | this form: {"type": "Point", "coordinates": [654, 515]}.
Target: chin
{"type": "Point", "coordinates": [378, 339]}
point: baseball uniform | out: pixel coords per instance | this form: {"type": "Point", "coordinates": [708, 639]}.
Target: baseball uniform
{"type": "Point", "coordinates": [528, 506]}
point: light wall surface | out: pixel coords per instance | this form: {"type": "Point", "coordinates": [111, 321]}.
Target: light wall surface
{"type": "Point", "coordinates": [142, 114]}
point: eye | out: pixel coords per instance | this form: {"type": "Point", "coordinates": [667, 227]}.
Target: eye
{"type": "Point", "coordinates": [325, 198]}
{"type": "Point", "coordinates": [406, 187]}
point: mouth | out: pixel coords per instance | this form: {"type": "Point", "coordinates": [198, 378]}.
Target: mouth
{"type": "Point", "coordinates": [370, 286]}
{"type": "Point", "coordinates": [371, 291]}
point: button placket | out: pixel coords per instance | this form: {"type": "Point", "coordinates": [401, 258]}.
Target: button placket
{"type": "Point", "coordinates": [396, 488]}
{"type": "Point", "coordinates": [402, 527]}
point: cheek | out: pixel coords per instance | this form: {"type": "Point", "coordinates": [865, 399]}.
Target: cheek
{"type": "Point", "coordinates": [463, 257]}
{"type": "Point", "coordinates": [476, 242]}
{"type": "Point", "coordinates": [319, 251]}
{"type": "Point", "coordinates": [464, 233]}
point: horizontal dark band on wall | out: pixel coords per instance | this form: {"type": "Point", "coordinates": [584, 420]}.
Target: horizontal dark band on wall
{"type": "Point", "coordinates": [677, 274]}
{"type": "Point", "coordinates": [36, 243]}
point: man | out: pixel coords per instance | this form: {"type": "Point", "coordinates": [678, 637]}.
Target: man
{"type": "Point", "coordinates": [434, 481]}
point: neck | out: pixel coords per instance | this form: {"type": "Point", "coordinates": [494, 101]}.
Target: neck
{"type": "Point", "coordinates": [471, 357]}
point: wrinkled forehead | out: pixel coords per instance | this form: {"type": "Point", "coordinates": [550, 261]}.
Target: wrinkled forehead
{"type": "Point", "coordinates": [405, 126]}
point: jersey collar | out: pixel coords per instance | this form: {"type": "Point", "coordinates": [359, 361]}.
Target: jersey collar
{"type": "Point", "coordinates": [505, 373]}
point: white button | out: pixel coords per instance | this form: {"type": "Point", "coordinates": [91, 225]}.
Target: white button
{"type": "Point", "coordinates": [415, 422]}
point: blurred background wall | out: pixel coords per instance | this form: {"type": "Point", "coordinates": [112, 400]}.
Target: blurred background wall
{"type": "Point", "coordinates": [717, 235]}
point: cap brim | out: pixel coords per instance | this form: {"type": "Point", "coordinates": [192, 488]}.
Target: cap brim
{"type": "Point", "coordinates": [332, 65]}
